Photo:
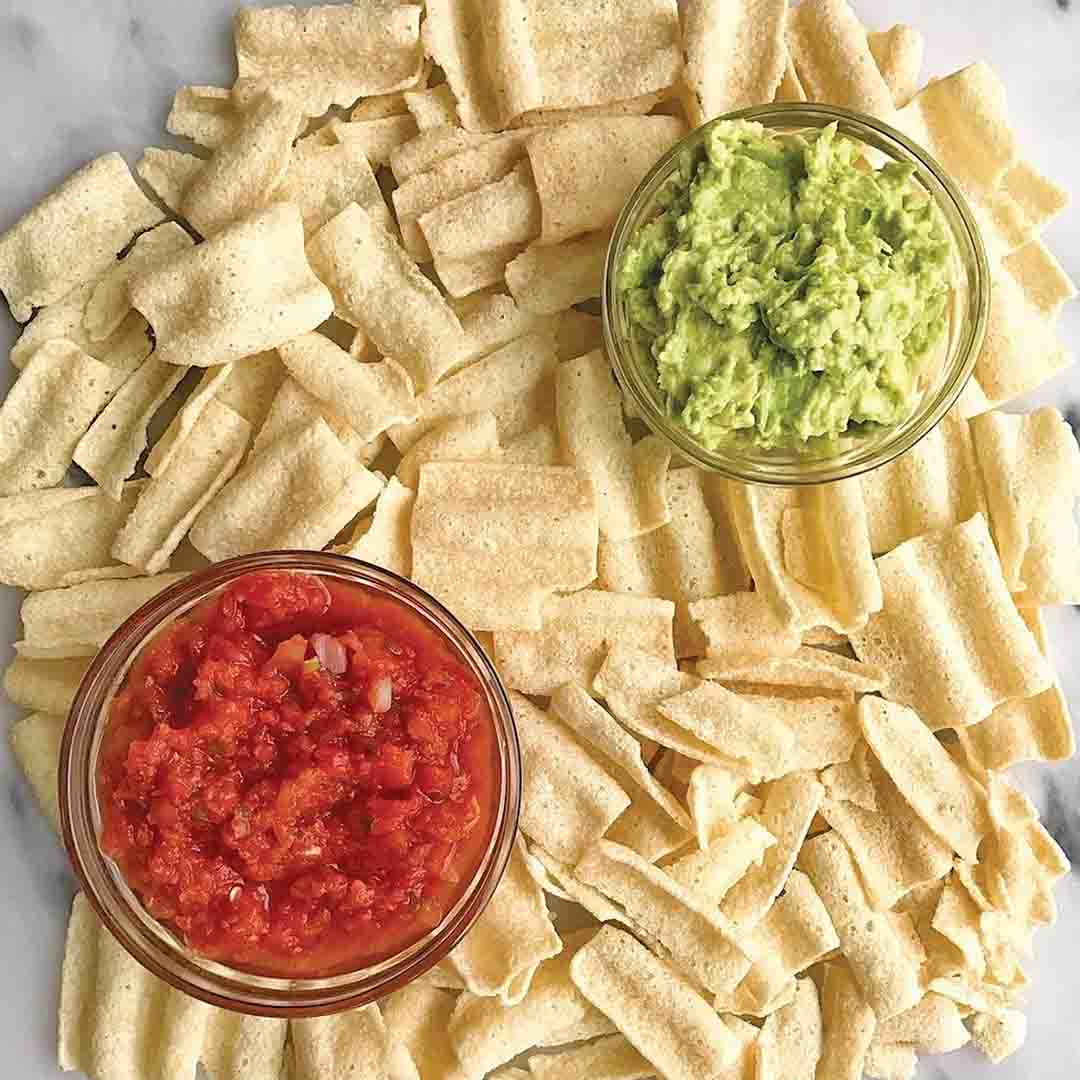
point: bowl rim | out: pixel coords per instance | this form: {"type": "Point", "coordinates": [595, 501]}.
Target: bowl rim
{"type": "Point", "coordinates": [148, 941]}
{"type": "Point", "coordinates": [960, 364]}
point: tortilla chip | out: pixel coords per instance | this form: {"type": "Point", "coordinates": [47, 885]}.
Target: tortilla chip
{"type": "Point", "coordinates": [833, 59]}
{"type": "Point", "coordinates": [58, 246]}
{"type": "Point", "coordinates": [932, 1025]}
{"type": "Point", "coordinates": [504, 62]}
{"type": "Point", "coordinates": [695, 555]}
{"type": "Point", "coordinates": [378, 140]}
{"type": "Point", "coordinates": [485, 1032]}
{"type": "Point", "coordinates": [735, 54]}
{"type": "Point", "coordinates": [1031, 466]}
{"type": "Point", "coordinates": [744, 625]}
{"type": "Point", "coordinates": [169, 173]}
{"type": "Point", "coordinates": [322, 180]}
{"type": "Point", "coordinates": [898, 53]}
{"type": "Point", "coordinates": [956, 918]}
{"type": "Point", "coordinates": [657, 1009]}
{"type": "Point", "coordinates": [790, 1043]}
{"type": "Point", "coordinates": [237, 1046]}
{"type": "Point", "coordinates": [369, 397]}
{"type": "Point", "coordinates": [949, 634]}
{"type": "Point", "coordinates": [35, 742]}
{"type": "Point", "coordinates": [492, 320]}
{"type": "Point", "coordinates": [568, 800]}
{"type": "Point", "coordinates": [58, 543]}
{"type": "Point", "coordinates": [297, 492]}
{"type": "Point", "coordinates": [432, 146]}
{"type": "Point", "coordinates": [586, 170]}
{"type": "Point", "coordinates": [887, 977]}
{"type": "Point", "coordinates": [1039, 197]}
{"type": "Point", "coordinates": [790, 805]}
{"type": "Point", "coordinates": [383, 539]}
{"type": "Point", "coordinates": [247, 289]}
{"type": "Point", "coordinates": [713, 870]}
{"type": "Point", "coordinates": [933, 486]}
{"type": "Point", "coordinates": [173, 499]}
{"type": "Point", "coordinates": [204, 114]}
{"type": "Point", "coordinates": [379, 289]}
{"type": "Point", "coordinates": [775, 526]}
{"type": "Point", "coordinates": [998, 1036]}
{"type": "Point", "coordinates": [574, 640]}
{"type": "Point", "coordinates": [609, 1058]}
{"type": "Point", "coordinates": [47, 411]}
{"type": "Point", "coordinates": [111, 448]}
{"type": "Point", "coordinates": [807, 667]}
{"type": "Point", "coordinates": [44, 686]}
{"type": "Point", "coordinates": [432, 107]}
{"type": "Point", "coordinates": [647, 830]}
{"type": "Point", "coordinates": [449, 179]}
{"type": "Point", "coordinates": [472, 437]}
{"type": "Point", "coordinates": [246, 167]}
{"type": "Point", "coordinates": [849, 1025]}
{"type": "Point", "coordinates": [711, 794]}
{"type": "Point", "coordinates": [549, 279]}
{"type": "Point", "coordinates": [890, 1061]}
{"type": "Point", "coordinates": [487, 220]}
{"type": "Point", "coordinates": [350, 1044]}
{"type": "Point", "coordinates": [893, 848]}
{"type": "Point", "coordinates": [331, 55]}
{"type": "Point", "coordinates": [417, 1016]}
{"type": "Point", "coordinates": [540, 446]}
{"type": "Point", "coordinates": [559, 880]}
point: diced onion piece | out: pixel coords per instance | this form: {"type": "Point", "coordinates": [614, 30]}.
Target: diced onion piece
{"type": "Point", "coordinates": [331, 653]}
{"type": "Point", "coordinates": [381, 694]}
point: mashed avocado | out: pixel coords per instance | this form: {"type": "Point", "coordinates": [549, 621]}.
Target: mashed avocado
{"type": "Point", "coordinates": [787, 291]}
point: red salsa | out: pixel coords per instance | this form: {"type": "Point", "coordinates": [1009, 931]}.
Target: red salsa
{"type": "Point", "coordinates": [299, 777]}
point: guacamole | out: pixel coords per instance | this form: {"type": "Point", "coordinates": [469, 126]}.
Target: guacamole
{"type": "Point", "coordinates": [786, 290]}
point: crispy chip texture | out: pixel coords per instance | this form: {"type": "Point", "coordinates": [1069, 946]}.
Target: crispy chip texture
{"type": "Point", "coordinates": [587, 169]}
{"type": "Point", "coordinates": [384, 538]}
{"type": "Point", "coordinates": [789, 1045]}
{"type": "Point", "coordinates": [849, 1025]}
{"type": "Point", "coordinates": [44, 686]}
{"type": "Point", "coordinates": [299, 491]}
{"type": "Point", "coordinates": [549, 279]}
{"type": "Point", "coordinates": [609, 1058]}
{"type": "Point", "coordinates": [577, 632]}
{"type": "Point", "coordinates": [330, 54]}
{"type": "Point", "coordinates": [247, 289]}
{"type": "Point", "coordinates": [72, 235]}
{"type": "Point", "coordinates": [354, 1045]}
{"type": "Point", "coordinates": [417, 1016]}
{"type": "Point", "coordinates": [204, 114]}
{"type": "Point", "coordinates": [806, 668]}
{"type": "Point", "coordinates": [35, 742]}
{"type": "Point", "coordinates": [657, 1009]}
{"type": "Point", "coordinates": [898, 53]}
{"type": "Point", "coordinates": [735, 54]}
{"type": "Point", "coordinates": [472, 437]}
{"type": "Point", "coordinates": [949, 634]}
{"type": "Point", "coordinates": [493, 541]}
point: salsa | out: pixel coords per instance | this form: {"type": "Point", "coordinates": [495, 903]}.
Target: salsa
{"type": "Point", "coordinates": [787, 291]}
{"type": "Point", "coordinates": [299, 777]}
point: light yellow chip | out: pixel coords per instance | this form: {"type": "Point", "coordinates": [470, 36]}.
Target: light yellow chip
{"type": "Point", "coordinates": [693, 556]}
{"type": "Point", "coordinates": [735, 54]}
{"type": "Point", "coordinates": [932, 1025]}
{"type": "Point", "coordinates": [807, 667]}
{"type": "Point", "coordinates": [785, 531]}
{"type": "Point", "coordinates": [630, 481]}
{"type": "Point", "coordinates": [354, 1045]}
{"type": "Point", "coordinates": [898, 53]}
{"type": "Point", "coordinates": [378, 140]}
{"type": "Point", "coordinates": [493, 541]}
{"type": "Point", "coordinates": [485, 1032]}
{"type": "Point", "coordinates": [44, 686]}
{"type": "Point", "coordinates": [956, 918]}
{"type": "Point", "coordinates": [1039, 197]}
{"type": "Point", "coordinates": [790, 1042]}
{"type": "Point", "coordinates": [569, 801]}
{"type": "Point", "coordinates": [369, 397]}
{"type": "Point", "coordinates": [298, 492]}
{"type": "Point", "coordinates": [35, 741]}
{"type": "Point", "coordinates": [833, 59]}
{"type": "Point", "coordinates": [383, 539]}
{"type": "Point", "coordinates": [331, 55]}
{"type": "Point", "coordinates": [1000, 1036]}
{"type": "Point", "coordinates": [711, 794]}
{"type": "Point", "coordinates": [1031, 466]}
{"type": "Point", "coordinates": [891, 1061]}
{"type": "Point", "coordinates": [204, 114]}
{"type": "Point", "coordinates": [58, 246]}
{"type": "Point", "coordinates": [430, 147]}
{"type": "Point", "coordinates": [656, 1008]}
{"type": "Point", "coordinates": [848, 1026]}
{"type": "Point", "coordinates": [432, 107]}
{"type": "Point", "coordinates": [550, 279]}
{"type": "Point", "coordinates": [48, 543]}
{"type": "Point", "coordinates": [885, 972]}
{"type": "Point", "coordinates": [789, 808]}
{"type": "Point", "coordinates": [169, 173]}
{"type": "Point", "coordinates": [935, 485]}
{"type": "Point", "coordinates": [379, 289]}
{"type": "Point", "coordinates": [47, 411]}
{"type": "Point", "coordinates": [170, 502]}
{"type": "Point", "coordinates": [647, 829]}
{"type": "Point", "coordinates": [744, 625]}
{"type": "Point", "coordinates": [609, 1058]}
{"type": "Point", "coordinates": [949, 634]}
{"type": "Point", "coordinates": [247, 289]}
{"type": "Point", "coordinates": [585, 170]}
{"type": "Point", "coordinates": [418, 1016]}
{"type": "Point", "coordinates": [472, 437]}
{"type": "Point", "coordinates": [711, 871]}
{"type": "Point", "coordinates": [112, 446]}
{"type": "Point", "coordinates": [577, 631]}
{"type": "Point", "coordinates": [236, 1046]}
{"type": "Point", "coordinates": [559, 880]}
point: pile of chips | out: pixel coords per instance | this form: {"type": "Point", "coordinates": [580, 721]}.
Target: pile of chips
{"type": "Point", "coordinates": [764, 730]}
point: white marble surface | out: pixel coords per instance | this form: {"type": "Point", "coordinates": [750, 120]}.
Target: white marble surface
{"type": "Point", "coordinates": [82, 77]}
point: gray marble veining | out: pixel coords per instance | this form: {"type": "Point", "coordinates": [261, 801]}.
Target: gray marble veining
{"type": "Point", "coordinates": [82, 77]}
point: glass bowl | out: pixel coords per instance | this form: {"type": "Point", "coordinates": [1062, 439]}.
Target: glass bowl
{"type": "Point", "coordinates": [853, 453]}
{"type": "Point", "coordinates": [158, 948]}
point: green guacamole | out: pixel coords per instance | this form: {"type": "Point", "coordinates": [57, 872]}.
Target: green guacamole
{"type": "Point", "coordinates": [786, 290]}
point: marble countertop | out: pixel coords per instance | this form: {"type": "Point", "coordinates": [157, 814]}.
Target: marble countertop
{"type": "Point", "coordinates": [82, 77]}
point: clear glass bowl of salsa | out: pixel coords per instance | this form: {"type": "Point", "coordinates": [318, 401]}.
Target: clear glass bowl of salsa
{"type": "Point", "coordinates": [290, 784]}
{"type": "Point", "coordinates": [863, 446]}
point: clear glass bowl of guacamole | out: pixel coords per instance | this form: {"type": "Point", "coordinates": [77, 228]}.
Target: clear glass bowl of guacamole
{"type": "Point", "coordinates": [795, 294]}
